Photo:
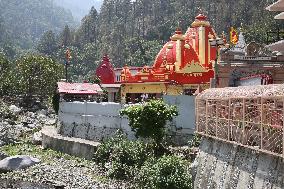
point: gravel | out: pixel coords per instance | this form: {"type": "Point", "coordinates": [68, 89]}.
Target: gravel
{"type": "Point", "coordinates": [62, 172]}
{"type": "Point", "coordinates": [51, 172]}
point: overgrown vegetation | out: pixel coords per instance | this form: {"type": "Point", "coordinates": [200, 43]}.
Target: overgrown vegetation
{"type": "Point", "coordinates": [136, 161]}
{"type": "Point", "coordinates": [148, 120]}
{"type": "Point", "coordinates": [29, 75]}
{"type": "Point", "coordinates": [121, 157]}
{"type": "Point", "coordinates": [167, 172]}
{"type": "Point", "coordinates": [195, 141]}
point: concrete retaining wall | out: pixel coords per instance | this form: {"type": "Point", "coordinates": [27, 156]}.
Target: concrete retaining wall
{"type": "Point", "coordinates": [92, 121]}
{"type": "Point", "coordinates": [186, 109]}
{"type": "Point", "coordinates": [72, 146]}
{"type": "Point", "coordinates": [223, 165]}
{"type": "Point", "coordinates": [97, 121]}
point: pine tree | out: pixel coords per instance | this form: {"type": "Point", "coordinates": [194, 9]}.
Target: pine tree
{"type": "Point", "coordinates": [47, 44]}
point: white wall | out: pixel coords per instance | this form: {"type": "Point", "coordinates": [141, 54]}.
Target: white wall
{"type": "Point", "coordinates": [91, 120]}
{"type": "Point", "coordinates": [96, 121]}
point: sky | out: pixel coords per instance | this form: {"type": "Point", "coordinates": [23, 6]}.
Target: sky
{"type": "Point", "coordinates": [79, 8]}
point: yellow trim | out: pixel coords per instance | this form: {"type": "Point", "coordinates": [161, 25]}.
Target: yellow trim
{"type": "Point", "coordinates": [158, 88]}
{"type": "Point", "coordinates": [193, 67]}
{"type": "Point", "coordinates": [201, 41]}
{"type": "Point", "coordinates": [178, 55]}
{"type": "Point", "coordinates": [198, 23]}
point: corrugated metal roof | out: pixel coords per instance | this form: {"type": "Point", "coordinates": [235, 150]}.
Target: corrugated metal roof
{"type": "Point", "coordinates": [79, 88]}
{"type": "Point", "coordinates": [277, 46]}
{"type": "Point", "coordinates": [277, 6]}
{"type": "Point", "coordinates": [111, 85]}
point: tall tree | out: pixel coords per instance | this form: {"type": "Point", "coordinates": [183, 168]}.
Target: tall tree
{"type": "Point", "coordinates": [38, 74]}
{"type": "Point", "coordinates": [47, 44]}
{"type": "Point", "coordinates": [66, 37]}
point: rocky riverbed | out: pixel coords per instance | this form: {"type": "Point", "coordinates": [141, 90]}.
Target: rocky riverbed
{"type": "Point", "coordinates": [55, 170]}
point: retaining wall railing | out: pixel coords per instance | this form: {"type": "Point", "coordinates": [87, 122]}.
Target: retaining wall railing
{"type": "Point", "coordinates": [255, 123]}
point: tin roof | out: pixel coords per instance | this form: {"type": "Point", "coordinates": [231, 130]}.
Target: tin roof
{"type": "Point", "coordinates": [79, 88]}
{"type": "Point", "coordinates": [277, 6]}
{"type": "Point", "coordinates": [277, 46]}
{"type": "Point", "coordinates": [111, 85]}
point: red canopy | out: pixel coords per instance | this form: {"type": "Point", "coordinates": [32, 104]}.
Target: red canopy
{"type": "Point", "coordinates": [79, 88]}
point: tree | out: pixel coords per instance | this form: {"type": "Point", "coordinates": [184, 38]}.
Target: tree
{"type": "Point", "coordinates": [148, 120]}
{"type": "Point", "coordinates": [47, 44]}
{"type": "Point", "coordinates": [66, 37]}
{"type": "Point", "coordinates": [5, 75]}
{"type": "Point", "coordinates": [38, 75]}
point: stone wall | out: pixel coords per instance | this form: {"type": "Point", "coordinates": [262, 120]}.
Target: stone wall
{"type": "Point", "coordinates": [224, 165]}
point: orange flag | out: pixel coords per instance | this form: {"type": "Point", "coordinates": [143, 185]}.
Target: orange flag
{"type": "Point", "coordinates": [234, 36]}
{"type": "Point", "coordinates": [68, 55]}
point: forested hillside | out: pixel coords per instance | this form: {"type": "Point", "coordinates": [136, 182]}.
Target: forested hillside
{"type": "Point", "coordinates": [22, 22]}
{"type": "Point", "coordinates": [130, 32]}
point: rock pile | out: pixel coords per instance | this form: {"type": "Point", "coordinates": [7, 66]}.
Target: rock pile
{"type": "Point", "coordinates": [14, 122]}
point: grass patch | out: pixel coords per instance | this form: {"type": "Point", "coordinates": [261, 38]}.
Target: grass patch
{"type": "Point", "coordinates": [46, 155]}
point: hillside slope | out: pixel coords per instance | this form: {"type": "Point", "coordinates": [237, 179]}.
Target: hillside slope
{"type": "Point", "coordinates": [24, 21]}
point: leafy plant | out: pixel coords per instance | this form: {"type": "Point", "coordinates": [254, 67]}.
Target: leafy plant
{"type": "Point", "coordinates": [148, 120]}
{"type": "Point", "coordinates": [195, 141]}
{"type": "Point", "coordinates": [167, 172]}
{"type": "Point", "coordinates": [121, 157]}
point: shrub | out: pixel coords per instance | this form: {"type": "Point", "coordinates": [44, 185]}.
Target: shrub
{"type": "Point", "coordinates": [148, 120]}
{"type": "Point", "coordinates": [195, 141]}
{"type": "Point", "coordinates": [121, 157]}
{"type": "Point", "coordinates": [167, 172]}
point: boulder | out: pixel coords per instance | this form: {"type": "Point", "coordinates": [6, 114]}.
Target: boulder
{"type": "Point", "coordinates": [51, 122]}
{"type": "Point", "coordinates": [37, 138]}
{"type": "Point", "coordinates": [17, 162]}
{"type": "Point", "coordinates": [16, 110]}
{"type": "Point", "coordinates": [43, 112]}
{"type": "Point", "coordinates": [2, 155]}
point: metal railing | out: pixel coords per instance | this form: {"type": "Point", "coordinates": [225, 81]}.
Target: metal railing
{"type": "Point", "coordinates": [255, 123]}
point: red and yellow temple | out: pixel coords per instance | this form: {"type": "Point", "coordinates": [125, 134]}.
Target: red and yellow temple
{"type": "Point", "coordinates": [184, 64]}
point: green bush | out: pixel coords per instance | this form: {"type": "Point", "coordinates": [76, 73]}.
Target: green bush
{"type": "Point", "coordinates": [167, 172]}
{"type": "Point", "coordinates": [195, 141]}
{"type": "Point", "coordinates": [148, 120]}
{"type": "Point", "coordinates": [121, 157]}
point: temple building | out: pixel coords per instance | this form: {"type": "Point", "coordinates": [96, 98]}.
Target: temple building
{"type": "Point", "coordinates": [278, 6]}
{"type": "Point", "coordinates": [183, 65]}
{"type": "Point", "coordinates": [253, 64]}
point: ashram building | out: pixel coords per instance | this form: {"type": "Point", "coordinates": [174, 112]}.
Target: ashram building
{"type": "Point", "coordinates": [183, 65]}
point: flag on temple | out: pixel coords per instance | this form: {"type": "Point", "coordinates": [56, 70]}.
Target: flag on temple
{"type": "Point", "coordinates": [68, 56]}
{"type": "Point", "coordinates": [234, 36]}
